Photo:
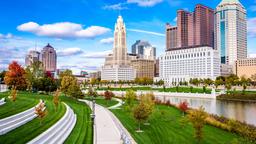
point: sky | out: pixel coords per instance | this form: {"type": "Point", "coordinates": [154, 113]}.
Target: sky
{"type": "Point", "coordinates": [81, 31]}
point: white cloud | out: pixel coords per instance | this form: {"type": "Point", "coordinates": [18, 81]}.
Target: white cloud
{"type": "Point", "coordinates": [7, 36]}
{"type": "Point", "coordinates": [63, 30]}
{"type": "Point", "coordinates": [69, 52]}
{"type": "Point", "coordinates": [97, 55]}
{"type": "Point", "coordinates": [251, 27]}
{"type": "Point", "coordinates": [252, 56]}
{"type": "Point", "coordinates": [147, 32]}
{"type": "Point", "coordinates": [119, 6]}
{"type": "Point", "coordinates": [145, 3]}
{"type": "Point", "coordinates": [107, 40]}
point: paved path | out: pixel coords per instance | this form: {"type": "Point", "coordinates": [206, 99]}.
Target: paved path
{"type": "Point", "coordinates": [120, 103]}
{"type": "Point", "coordinates": [108, 129]}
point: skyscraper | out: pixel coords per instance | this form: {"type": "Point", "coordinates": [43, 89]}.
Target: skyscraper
{"type": "Point", "coordinates": [117, 65]}
{"type": "Point", "coordinates": [49, 58]}
{"type": "Point", "coordinates": [144, 50]}
{"type": "Point", "coordinates": [120, 49]}
{"type": "Point", "coordinates": [231, 31]}
{"type": "Point", "coordinates": [193, 29]}
{"type": "Point", "coordinates": [171, 36]}
{"type": "Point", "coordinates": [203, 26]}
{"type": "Point", "coordinates": [31, 57]}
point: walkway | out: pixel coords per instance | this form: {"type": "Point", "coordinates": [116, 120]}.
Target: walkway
{"type": "Point", "coordinates": [108, 129]}
{"type": "Point", "coordinates": [120, 103]}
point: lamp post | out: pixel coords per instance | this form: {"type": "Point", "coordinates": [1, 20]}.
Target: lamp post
{"type": "Point", "coordinates": [93, 104]}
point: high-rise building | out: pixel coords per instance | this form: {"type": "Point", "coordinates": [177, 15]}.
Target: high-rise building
{"type": "Point", "coordinates": [193, 29]}
{"type": "Point", "coordinates": [120, 49]}
{"type": "Point", "coordinates": [231, 31]}
{"type": "Point", "coordinates": [49, 58]}
{"type": "Point", "coordinates": [185, 29]}
{"type": "Point", "coordinates": [144, 50]}
{"type": "Point", "coordinates": [31, 57]}
{"type": "Point", "coordinates": [203, 26]}
{"type": "Point", "coordinates": [117, 65]}
{"type": "Point", "coordinates": [171, 36]}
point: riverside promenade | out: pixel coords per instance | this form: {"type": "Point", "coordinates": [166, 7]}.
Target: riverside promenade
{"type": "Point", "coordinates": [107, 128]}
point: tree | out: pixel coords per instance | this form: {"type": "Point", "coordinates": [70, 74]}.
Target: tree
{"type": "Point", "coordinates": [191, 89]}
{"type": "Point", "coordinates": [92, 92]}
{"type": "Point", "coordinates": [65, 73]}
{"type": "Point", "coordinates": [56, 99]}
{"type": "Point", "coordinates": [33, 73]}
{"type": "Point", "coordinates": [148, 100]}
{"type": "Point", "coordinates": [253, 77]}
{"type": "Point", "coordinates": [15, 76]}
{"type": "Point", "coordinates": [74, 89]}
{"type": "Point", "coordinates": [13, 94]}
{"type": "Point", "coordinates": [108, 96]}
{"type": "Point", "coordinates": [2, 75]}
{"type": "Point", "coordinates": [197, 118]}
{"type": "Point", "coordinates": [130, 97]}
{"type": "Point", "coordinates": [218, 82]}
{"type": "Point", "coordinates": [183, 106]}
{"type": "Point", "coordinates": [141, 114]}
{"type": "Point", "coordinates": [65, 83]}
{"type": "Point", "coordinates": [40, 111]}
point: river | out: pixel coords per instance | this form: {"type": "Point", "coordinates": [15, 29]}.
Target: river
{"type": "Point", "coordinates": [242, 111]}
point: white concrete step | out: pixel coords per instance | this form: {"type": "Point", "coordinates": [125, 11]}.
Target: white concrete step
{"type": "Point", "coordinates": [12, 122]}
{"type": "Point", "coordinates": [2, 101]}
{"type": "Point", "coordinates": [59, 132]}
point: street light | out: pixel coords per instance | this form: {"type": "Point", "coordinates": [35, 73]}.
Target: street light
{"type": "Point", "coordinates": [92, 93]}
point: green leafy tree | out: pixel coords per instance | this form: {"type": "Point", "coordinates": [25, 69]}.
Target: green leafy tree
{"type": "Point", "coordinates": [66, 83]}
{"type": "Point", "coordinates": [253, 77]}
{"type": "Point", "coordinates": [74, 89]}
{"type": "Point", "coordinates": [56, 99]}
{"type": "Point", "coordinates": [197, 118]}
{"type": "Point", "coordinates": [2, 75]}
{"type": "Point", "coordinates": [130, 98]}
{"type": "Point", "coordinates": [141, 113]}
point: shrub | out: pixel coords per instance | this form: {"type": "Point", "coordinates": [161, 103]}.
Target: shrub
{"type": "Point", "coordinates": [183, 106]}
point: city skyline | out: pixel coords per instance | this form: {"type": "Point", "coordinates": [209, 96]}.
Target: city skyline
{"type": "Point", "coordinates": [88, 36]}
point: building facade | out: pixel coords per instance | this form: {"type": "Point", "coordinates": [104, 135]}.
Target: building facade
{"type": "Point", "coordinates": [183, 64]}
{"type": "Point", "coordinates": [144, 68]}
{"type": "Point", "coordinates": [144, 50]}
{"type": "Point", "coordinates": [171, 36]}
{"type": "Point", "coordinates": [193, 29]}
{"type": "Point", "coordinates": [117, 65]}
{"type": "Point", "coordinates": [231, 31]}
{"type": "Point", "coordinates": [31, 57]}
{"type": "Point", "coordinates": [49, 58]}
{"type": "Point", "coordinates": [246, 67]}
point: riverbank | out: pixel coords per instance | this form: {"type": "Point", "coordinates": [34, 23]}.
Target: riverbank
{"type": "Point", "coordinates": [250, 98]}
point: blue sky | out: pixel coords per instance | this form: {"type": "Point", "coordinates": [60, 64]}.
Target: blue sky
{"type": "Point", "coordinates": [82, 30]}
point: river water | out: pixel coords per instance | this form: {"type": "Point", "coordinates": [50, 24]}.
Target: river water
{"type": "Point", "coordinates": [242, 111]}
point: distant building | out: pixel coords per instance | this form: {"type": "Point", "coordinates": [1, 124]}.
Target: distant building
{"type": "Point", "coordinates": [193, 29]}
{"type": "Point", "coordinates": [31, 57]}
{"type": "Point", "coordinates": [84, 73]}
{"type": "Point", "coordinates": [183, 64]}
{"type": "Point", "coordinates": [171, 36]}
{"type": "Point", "coordinates": [49, 58]}
{"type": "Point", "coordinates": [246, 67]}
{"type": "Point", "coordinates": [144, 50]}
{"type": "Point", "coordinates": [96, 75]}
{"type": "Point", "coordinates": [231, 31]}
{"type": "Point", "coordinates": [226, 70]}
{"type": "Point", "coordinates": [156, 71]}
{"type": "Point", "coordinates": [117, 65]}
{"type": "Point", "coordinates": [144, 68]}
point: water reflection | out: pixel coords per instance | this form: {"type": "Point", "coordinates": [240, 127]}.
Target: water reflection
{"type": "Point", "coordinates": [244, 112]}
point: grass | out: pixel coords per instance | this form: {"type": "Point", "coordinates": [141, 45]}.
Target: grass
{"type": "Point", "coordinates": [82, 132]}
{"type": "Point", "coordinates": [101, 101]}
{"type": "Point", "coordinates": [165, 128]}
{"type": "Point", "coordinates": [238, 97]}
{"type": "Point", "coordinates": [172, 89]}
{"type": "Point", "coordinates": [22, 103]}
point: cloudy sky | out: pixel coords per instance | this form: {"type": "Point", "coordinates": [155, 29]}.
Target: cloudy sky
{"type": "Point", "coordinates": [82, 30]}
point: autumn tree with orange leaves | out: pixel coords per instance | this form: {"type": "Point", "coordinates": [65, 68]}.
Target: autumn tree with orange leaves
{"type": "Point", "coordinates": [15, 76]}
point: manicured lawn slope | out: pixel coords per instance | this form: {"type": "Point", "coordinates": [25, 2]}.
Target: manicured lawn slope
{"type": "Point", "coordinates": [165, 128]}
{"type": "Point", "coordinates": [82, 132]}
{"type": "Point", "coordinates": [101, 101]}
{"type": "Point", "coordinates": [22, 103]}
{"type": "Point", "coordinates": [33, 128]}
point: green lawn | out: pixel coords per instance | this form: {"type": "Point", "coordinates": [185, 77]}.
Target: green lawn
{"type": "Point", "coordinates": [11, 108]}
{"type": "Point", "coordinates": [172, 89]}
{"type": "Point", "coordinates": [165, 128]}
{"type": "Point", "coordinates": [101, 101]}
{"type": "Point", "coordinates": [82, 133]}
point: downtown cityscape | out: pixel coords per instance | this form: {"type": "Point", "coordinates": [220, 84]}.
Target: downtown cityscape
{"type": "Point", "coordinates": [128, 72]}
